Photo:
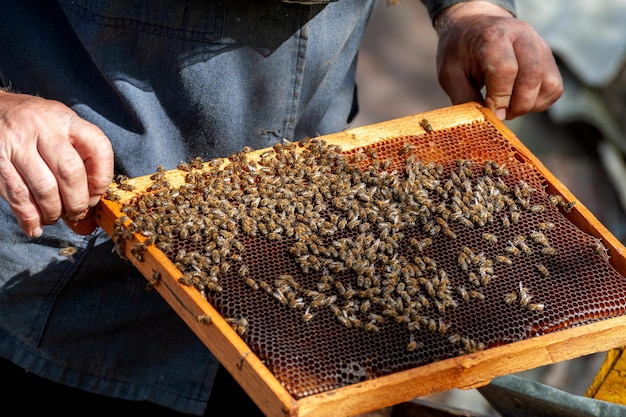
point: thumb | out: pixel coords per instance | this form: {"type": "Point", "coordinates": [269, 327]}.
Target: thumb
{"type": "Point", "coordinates": [499, 82]}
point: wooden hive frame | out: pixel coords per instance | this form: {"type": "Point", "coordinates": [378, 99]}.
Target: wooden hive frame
{"type": "Point", "coordinates": [468, 371]}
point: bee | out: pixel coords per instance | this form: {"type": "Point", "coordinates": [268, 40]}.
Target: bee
{"type": "Point", "coordinates": [454, 339]}
{"type": "Point", "coordinates": [68, 251]}
{"type": "Point", "coordinates": [432, 325]}
{"type": "Point", "coordinates": [542, 270]}
{"type": "Point", "coordinates": [569, 206]}
{"type": "Point", "coordinates": [443, 327]}
{"type": "Point", "coordinates": [215, 287]}
{"type": "Point", "coordinates": [473, 278]}
{"type": "Point", "coordinates": [490, 237]}
{"type": "Point", "coordinates": [371, 327]}
{"type": "Point", "coordinates": [524, 295]}
{"type": "Point", "coordinates": [250, 282]}
{"type": "Point", "coordinates": [296, 303]}
{"type": "Point", "coordinates": [520, 242]}
{"type": "Point", "coordinates": [307, 316]}
{"type": "Point", "coordinates": [546, 226]}
{"type": "Point", "coordinates": [463, 293]}
{"type": "Point", "coordinates": [548, 250]}
{"type": "Point", "coordinates": [538, 208]}
{"type": "Point", "coordinates": [488, 168]}
{"type": "Point", "coordinates": [504, 260]}
{"type": "Point", "coordinates": [500, 171]}
{"type": "Point", "coordinates": [449, 233]}
{"type": "Point", "coordinates": [412, 344]}
{"type": "Point", "coordinates": [426, 125]}
{"type": "Point", "coordinates": [407, 148]}
{"type": "Point", "coordinates": [556, 200]}
{"type": "Point", "coordinates": [477, 295]}
{"type": "Point", "coordinates": [204, 319]}
{"type": "Point", "coordinates": [463, 260]}
{"type": "Point", "coordinates": [156, 276]}
{"type": "Point", "coordinates": [510, 298]}
{"type": "Point", "coordinates": [599, 248]}
{"type": "Point", "coordinates": [506, 223]}
{"type": "Point", "coordinates": [111, 195]}
{"type": "Point", "coordinates": [539, 238]}
{"type": "Point", "coordinates": [239, 325]}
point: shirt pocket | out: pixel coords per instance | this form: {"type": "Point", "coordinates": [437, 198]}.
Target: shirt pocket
{"type": "Point", "coordinates": [198, 20]}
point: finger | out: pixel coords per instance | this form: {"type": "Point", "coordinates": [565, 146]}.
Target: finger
{"type": "Point", "coordinates": [96, 152]}
{"type": "Point", "coordinates": [68, 170]}
{"type": "Point", "coordinates": [42, 185]}
{"type": "Point", "coordinates": [500, 68]}
{"type": "Point", "coordinates": [457, 84]}
{"type": "Point", "coordinates": [85, 225]}
{"type": "Point", "coordinates": [15, 192]}
{"type": "Point", "coordinates": [551, 84]}
{"type": "Point", "coordinates": [529, 77]}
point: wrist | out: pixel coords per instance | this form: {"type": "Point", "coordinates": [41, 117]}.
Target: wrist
{"type": "Point", "coordinates": [467, 8]}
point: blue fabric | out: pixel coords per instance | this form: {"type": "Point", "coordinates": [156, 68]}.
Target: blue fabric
{"type": "Point", "coordinates": [166, 81]}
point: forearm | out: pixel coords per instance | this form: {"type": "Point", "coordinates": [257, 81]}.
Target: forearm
{"type": "Point", "coordinates": [435, 7]}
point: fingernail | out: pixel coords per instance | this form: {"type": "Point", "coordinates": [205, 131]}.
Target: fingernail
{"type": "Point", "coordinates": [36, 232]}
{"type": "Point", "coordinates": [501, 113]}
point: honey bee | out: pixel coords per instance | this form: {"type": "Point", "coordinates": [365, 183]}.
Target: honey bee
{"type": "Point", "coordinates": [156, 276]}
{"type": "Point", "coordinates": [449, 233]}
{"type": "Point", "coordinates": [542, 270]}
{"type": "Point", "coordinates": [473, 278]}
{"type": "Point", "coordinates": [110, 195]}
{"type": "Point", "coordinates": [371, 327]}
{"type": "Point", "coordinates": [68, 251]}
{"type": "Point", "coordinates": [490, 237]}
{"type": "Point", "coordinates": [243, 270]}
{"type": "Point", "coordinates": [546, 226]}
{"type": "Point", "coordinates": [477, 295]}
{"type": "Point", "coordinates": [252, 283]}
{"type": "Point", "coordinates": [307, 316]}
{"type": "Point", "coordinates": [504, 260]}
{"type": "Point", "coordinates": [539, 238]}
{"type": "Point", "coordinates": [510, 298]}
{"type": "Point", "coordinates": [412, 345]}
{"type": "Point", "coordinates": [524, 295]}
{"type": "Point", "coordinates": [520, 242]}
{"type": "Point", "coordinates": [535, 307]}
{"type": "Point", "coordinates": [506, 223]}
{"type": "Point", "coordinates": [463, 293]}
{"type": "Point", "coordinates": [463, 260]}
{"type": "Point", "coordinates": [239, 325]}
{"type": "Point", "coordinates": [538, 208]}
{"type": "Point", "coordinates": [204, 319]}
{"type": "Point", "coordinates": [599, 248]}
{"type": "Point", "coordinates": [548, 250]}
{"type": "Point", "coordinates": [407, 148]}
{"type": "Point", "coordinates": [426, 125]}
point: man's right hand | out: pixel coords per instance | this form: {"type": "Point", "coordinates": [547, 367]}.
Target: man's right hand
{"type": "Point", "coordinates": [53, 164]}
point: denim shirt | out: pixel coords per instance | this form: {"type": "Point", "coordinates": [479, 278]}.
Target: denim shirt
{"type": "Point", "coordinates": [166, 81]}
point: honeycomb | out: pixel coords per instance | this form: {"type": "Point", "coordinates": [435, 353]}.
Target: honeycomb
{"type": "Point", "coordinates": [340, 267]}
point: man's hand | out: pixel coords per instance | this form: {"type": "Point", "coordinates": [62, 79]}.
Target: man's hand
{"type": "Point", "coordinates": [53, 164]}
{"type": "Point", "coordinates": [482, 45]}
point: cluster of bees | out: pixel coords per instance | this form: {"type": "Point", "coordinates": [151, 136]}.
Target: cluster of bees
{"type": "Point", "coordinates": [358, 229]}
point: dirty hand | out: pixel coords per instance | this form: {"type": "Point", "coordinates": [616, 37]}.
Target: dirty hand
{"type": "Point", "coordinates": [483, 45]}
{"type": "Point", "coordinates": [53, 164]}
